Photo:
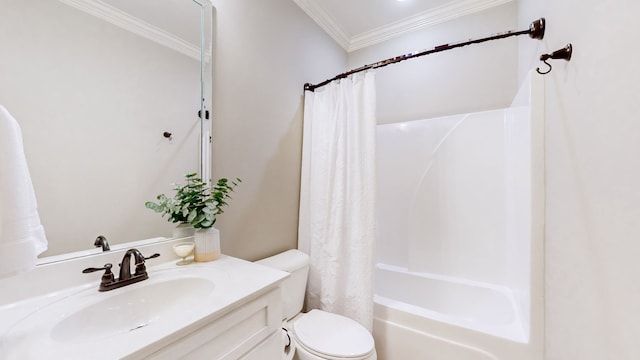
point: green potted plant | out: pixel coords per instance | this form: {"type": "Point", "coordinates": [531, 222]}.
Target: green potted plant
{"type": "Point", "coordinates": [176, 207]}
{"type": "Point", "coordinates": [197, 204]}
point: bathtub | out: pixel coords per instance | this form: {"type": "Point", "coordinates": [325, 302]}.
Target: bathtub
{"type": "Point", "coordinates": [429, 317]}
{"type": "Point", "coordinates": [494, 309]}
{"type": "Point", "coordinates": [460, 234]}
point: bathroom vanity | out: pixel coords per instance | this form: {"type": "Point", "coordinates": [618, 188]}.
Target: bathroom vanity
{"type": "Point", "coordinates": [225, 309]}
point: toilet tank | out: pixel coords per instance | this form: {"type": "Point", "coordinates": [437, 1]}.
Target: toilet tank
{"type": "Point", "coordinates": [296, 263]}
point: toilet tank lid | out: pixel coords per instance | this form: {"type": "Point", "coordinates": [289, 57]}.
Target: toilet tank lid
{"type": "Point", "coordinates": [289, 261]}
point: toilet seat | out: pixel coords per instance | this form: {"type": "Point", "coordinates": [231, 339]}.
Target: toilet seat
{"type": "Point", "coordinates": [332, 336]}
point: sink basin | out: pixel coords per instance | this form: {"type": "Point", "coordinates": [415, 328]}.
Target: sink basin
{"type": "Point", "coordinates": [80, 321]}
{"type": "Point", "coordinates": [131, 310]}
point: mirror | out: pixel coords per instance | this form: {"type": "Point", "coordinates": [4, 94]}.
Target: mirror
{"type": "Point", "coordinates": [107, 95]}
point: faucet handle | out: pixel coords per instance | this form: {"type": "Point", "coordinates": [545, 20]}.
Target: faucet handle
{"type": "Point", "coordinates": [140, 267]}
{"type": "Point", "coordinates": [107, 277]}
{"type": "Point", "coordinates": [107, 267]}
{"type": "Point", "coordinates": [152, 256]}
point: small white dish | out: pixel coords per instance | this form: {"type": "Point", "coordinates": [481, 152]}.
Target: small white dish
{"type": "Point", "coordinates": [183, 250]}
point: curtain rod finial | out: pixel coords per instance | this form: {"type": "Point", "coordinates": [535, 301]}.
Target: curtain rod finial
{"type": "Point", "coordinates": [536, 29]}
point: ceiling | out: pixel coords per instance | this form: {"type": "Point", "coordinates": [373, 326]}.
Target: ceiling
{"type": "Point", "coordinates": [356, 24]}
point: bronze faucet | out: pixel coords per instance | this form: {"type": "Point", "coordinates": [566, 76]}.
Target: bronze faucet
{"type": "Point", "coordinates": [101, 241]}
{"type": "Point", "coordinates": [125, 267]}
{"type": "Point", "coordinates": [108, 281]}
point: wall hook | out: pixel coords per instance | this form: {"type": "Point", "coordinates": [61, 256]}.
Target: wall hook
{"type": "Point", "coordinates": [544, 72]}
{"type": "Point", "coordinates": [563, 54]}
{"type": "Point", "coordinates": [167, 135]}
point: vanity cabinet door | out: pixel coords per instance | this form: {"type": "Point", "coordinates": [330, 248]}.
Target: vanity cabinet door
{"type": "Point", "coordinates": [270, 349]}
{"type": "Point", "coordinates": [232, 336]}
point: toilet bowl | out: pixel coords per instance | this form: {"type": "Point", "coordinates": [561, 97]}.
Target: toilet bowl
{"type": "Point", "coordinates": [316, 335]}
{"type": "Point", "coordinates": [323, 335]}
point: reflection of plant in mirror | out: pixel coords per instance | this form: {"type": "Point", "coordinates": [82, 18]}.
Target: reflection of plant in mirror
{"type": "Point", "coordinates": [194, 202]}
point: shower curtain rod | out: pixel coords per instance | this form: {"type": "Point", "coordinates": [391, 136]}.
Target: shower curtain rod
{"type": "Point", "coordinates": [535, 31]}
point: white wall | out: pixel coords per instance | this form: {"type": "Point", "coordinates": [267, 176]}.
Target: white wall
{"type": "Point", "coordinates": [265, 51]}
{"type": "Point", "coordinates": [592, 177]}
{"type": "Point", "coordinates": [62, 81]}
{"type": "Point", "coordinates": [592, 246]}
{"type": "Point", "coordinates": [93, 101]}
{"type": "Point", "coordinates": [468, 79]}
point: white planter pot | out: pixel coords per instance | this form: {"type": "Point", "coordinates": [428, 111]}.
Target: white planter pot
{"type": "Point", "coordinates": [183, 230]}
{"type": "Point", "coordinates": [207, 244]}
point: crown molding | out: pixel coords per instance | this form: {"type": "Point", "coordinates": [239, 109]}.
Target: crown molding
{"type": "Point", "coordinates": [434, 16]}
{"type": "Point", "coordinates": [449, 11]}
{"type": "Point", "coordinates": [326, 22]}
{"type": "Point", "coordinates": [135, 25]}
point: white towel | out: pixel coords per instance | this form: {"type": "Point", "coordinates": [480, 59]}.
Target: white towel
{"type": "Point", "coordinates": [22, 236]}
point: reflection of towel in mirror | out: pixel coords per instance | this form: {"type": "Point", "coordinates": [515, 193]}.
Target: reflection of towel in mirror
{"type": "Point", "coordinates": [22, 236]}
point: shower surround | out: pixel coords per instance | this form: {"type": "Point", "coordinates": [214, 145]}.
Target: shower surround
{"type": "Point", "coordinates": [460, 211]}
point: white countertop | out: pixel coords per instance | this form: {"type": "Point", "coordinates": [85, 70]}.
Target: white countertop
{"type": "Point", "coordinates": [28, 303]}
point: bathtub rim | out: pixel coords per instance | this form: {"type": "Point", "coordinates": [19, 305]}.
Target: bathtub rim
{"type": "Point", "coordinates": [516, 330]}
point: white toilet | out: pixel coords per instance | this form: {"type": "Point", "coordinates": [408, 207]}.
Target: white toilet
{"type": "Point", "coordinates": [316, 335]}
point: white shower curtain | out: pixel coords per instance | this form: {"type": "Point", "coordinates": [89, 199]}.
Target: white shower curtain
{"type": "Point", "coordinates": [337, 209]}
